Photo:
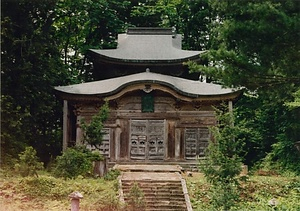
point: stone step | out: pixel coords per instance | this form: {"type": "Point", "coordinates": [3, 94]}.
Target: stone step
{"type": "Point", "coordinates": [184, 165]}
{"type": "Point", "coordinates": [163, 191]}
{"type": "Point", "coordinates": [162, 182]}
{"type": "Point", "coordinates": [151, 184]}
{"type": "Point", "coordinates": [165, 207]}
{"type": "Point", "coordinates": [175, 199]}
{"type": "Point", "coordinates": [172, 193]}
{"type": "Point", "coordinates": [158, 203]}
{"type": "Point", "coordinates": [157, 194]}
{"type": "Point", "coordinates": [154, 187]}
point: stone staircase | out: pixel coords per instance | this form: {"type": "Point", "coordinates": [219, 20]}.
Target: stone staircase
{"type": "Point", "coordinates": [163, 187]}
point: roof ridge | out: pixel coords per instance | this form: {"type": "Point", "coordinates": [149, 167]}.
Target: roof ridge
{"type": "Point", "coordinates": [149, 31]}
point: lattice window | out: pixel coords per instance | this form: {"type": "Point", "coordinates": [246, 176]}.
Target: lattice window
{"type": "Point", "coordinates": [104, 148]}
{"type": "Point", "coordinates": [196, 142]}
{"type": "Point", "coordinates": [147, 103]}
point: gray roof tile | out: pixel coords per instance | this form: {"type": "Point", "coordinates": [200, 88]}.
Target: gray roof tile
{"type": "Point", "coordinates": [110, 86]}
{"type": "Point", "coordinates": [145, 44]}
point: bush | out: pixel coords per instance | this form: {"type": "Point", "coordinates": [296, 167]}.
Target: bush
{"type": "Point", "coordinates": [136, 198]}
{"type": "Point", "coordinates": [74, 162]}
{"type": "Point", "coordinates": [222, 164]}
{"type": "Point", "coordinates": [112, 174]}
{"type": "Point", "coordinates": [28, 164]}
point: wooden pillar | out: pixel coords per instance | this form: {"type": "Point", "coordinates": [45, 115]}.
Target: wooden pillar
{"type": "Point", "coordinates": [177, 143]}
{"type": "Point", "coordinates": [166, 139]}
{"type": "Point", "coordinates": [117, 140]}
{"type": "Point", "coordinates": [230, 108]}
{"type": "Point", "coordinates": [65, 125]}
{"type": "Point", "coordinates": [79, 134]}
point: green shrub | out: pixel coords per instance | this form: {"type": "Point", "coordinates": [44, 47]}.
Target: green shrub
{"type": "Point", "coordinates": [93, 131]}
{"type": "Point", "coordinates": [223, 164]}
{"type": "Point", "coordinates": [112, 175]}
{"type": "Point", "coordinates": [28, 163]}
{"type": "Point", "coordinates": [74, 162]}
{"type": "Point", "coordinates": [136, 198]}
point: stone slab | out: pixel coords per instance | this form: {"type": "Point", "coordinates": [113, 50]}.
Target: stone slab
{"type": "Point", "coordinates": [148, 168]}
{"type": "Point", "coordinates": [150, 176]}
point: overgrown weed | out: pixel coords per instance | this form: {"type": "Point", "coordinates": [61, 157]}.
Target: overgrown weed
{"type": "Point", "coordinates": [255, 193]}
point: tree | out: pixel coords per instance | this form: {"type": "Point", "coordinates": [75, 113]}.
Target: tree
{"type": "Point", "coordinates": [189, 18]}
{"type": "Point", "coordinates": [93, 131]}
{"type": "Point", "coordinates": [83, 25]}
{"type": "Point", "coordinates": [44, 44]}
{"type": "Point", "coordinates": [223, 165]}
{"type": "Point", "coordinates": [31, 66]}
{"type": "Point", "coordinates": [245, 37]}
{"type": "Point", "coordinates": [255, 45]}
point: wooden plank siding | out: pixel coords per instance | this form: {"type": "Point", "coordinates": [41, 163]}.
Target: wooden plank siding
{"type": "Point", "coordinates": [177, 115]}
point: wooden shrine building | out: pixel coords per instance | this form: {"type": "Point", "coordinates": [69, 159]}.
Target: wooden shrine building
{"type": "Point", "coordinates": [159, 113]}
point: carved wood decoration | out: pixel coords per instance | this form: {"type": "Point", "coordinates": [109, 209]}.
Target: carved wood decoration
{"type": "Point", "coordinates": [147, 140]}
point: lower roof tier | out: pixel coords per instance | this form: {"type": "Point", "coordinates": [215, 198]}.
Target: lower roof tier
{"type": "Point", "coordinates": [148, 81]}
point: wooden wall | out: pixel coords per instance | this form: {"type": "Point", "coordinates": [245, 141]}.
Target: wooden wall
{"type": "Point", "coordinates": [178, 115]}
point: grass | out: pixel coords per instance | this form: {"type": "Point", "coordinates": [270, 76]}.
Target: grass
{"type": "Point", "coordinates": [50, 193]}
{"type": "Point", "coordinates": [256, 192]}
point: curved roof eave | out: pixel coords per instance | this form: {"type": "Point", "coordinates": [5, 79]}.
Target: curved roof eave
{"type": "Point", "coordinates": [185, 87]}
{"type": "Point", "coordinates": [144, 59]}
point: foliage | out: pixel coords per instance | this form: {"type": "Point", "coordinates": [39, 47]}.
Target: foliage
{"type": "Point", "coordinates": [28, 164]}
{"type": "Point", "coordinates": [30, 67]}
{"type": "Point", "coordinates": [93, 132]}
{"type": "Point", "coordinates": [45, 43]}
{"type": "Point", "coordinates": [74, 162]}
{"type": "Point", "coordinates": [249, 32]}
{"type": "Point", "coordinates": [136, 198]}
{"type": "Point", "coordinates": [83, 25]}
{"type": "Point", "coordinates": [48, 193]}
{"type": "Point", "coordinates": [112, 174]}
{"type": "Point", "coordinates": [244, 36]}
{"type": "Point", "coordinates": [189, 18]}
{"type": "Point", "coordinates": [255, 193]}
{"type": "Point", "coordinates": [296, 102]}
{"type": "Point", "coordinates": [223, 164]}
{"type": "Point", "coordinates": [270, 129]}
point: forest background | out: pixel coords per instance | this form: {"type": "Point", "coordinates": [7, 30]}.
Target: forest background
{"type": "Point", "coordinates": [250, 44]}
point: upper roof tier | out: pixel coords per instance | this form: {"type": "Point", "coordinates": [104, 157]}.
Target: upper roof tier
{"type": "Point", "coordinates": [147, 45]}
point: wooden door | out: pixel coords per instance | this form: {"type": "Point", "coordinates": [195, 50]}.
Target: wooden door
{"type": "Point", "coordinates": [147, 139]}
